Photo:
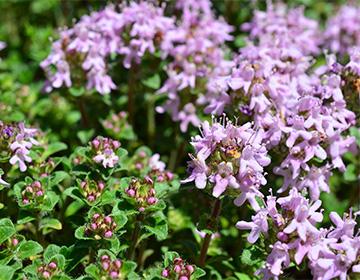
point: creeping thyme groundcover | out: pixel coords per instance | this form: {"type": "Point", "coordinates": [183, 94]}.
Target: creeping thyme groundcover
{"type": "Point", "coordinates": [179, 140]}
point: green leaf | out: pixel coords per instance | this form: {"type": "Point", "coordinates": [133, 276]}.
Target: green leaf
{"type": "Point", "coordinates": [85, 135]}
{"type": "Point", "coordinates": [52, 149]}
{"type": "Point", "coordinates": [73, 208]}
{"type": "Point", "coordinates": [242, 276]}
{"type": "Point", "coordinates": [350, 173]}
{"type": "Point", "coordinates": [153, 82]}
{"type": "Point", "coordinates": [50, 223]}
{"type": "Point", "coordinates": [28, 249]}
{"type": "Point", "coordinates": [198, 273]}
{"type": "Point", "coordinates": [51, 198]}
{"type": "Point", "coordinates": [80, 233]}
{"type": "Point", "coordinates": [7, 229]}
{"type": "Point", "coordinates": [76, 92]}
{"type": "Point", "coordinates": [160, 230]}
{"type": "Point", "coordinates": [93, 271]}
{"type": "Point", "coordinates": [50, 252]}
{"type": "Point", "coordinates": [6, 272]}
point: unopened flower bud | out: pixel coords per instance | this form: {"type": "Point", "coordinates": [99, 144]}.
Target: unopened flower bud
{"type": "Point", "coordinates": [190, 268]}
{"type": "Point", "coordinates": [52, 265]}
{"type": "Point", "coordinates": [108, 220]}
{"type": "Point", "coordinates": [108, 234]}
{"type": "Point", "coordinates": [117, 263]}
{"type": "Point", "coordinates": [105, 265]}
{"type": "Point", "coordinates": [14, 242]}
{"type": "Point", "coordinates": [177, 268]}
{"type": "Point", "coordinates": [114, 274]}
{"type": "Point", "coordinates": [46, 274]}
{"type": "Point", "coordinates": [165, 273]}
{"type": "Point", "coordinates": [95, 143]}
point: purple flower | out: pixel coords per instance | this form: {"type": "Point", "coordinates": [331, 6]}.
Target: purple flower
{"type": "Point", "coordinates": [258, 225]}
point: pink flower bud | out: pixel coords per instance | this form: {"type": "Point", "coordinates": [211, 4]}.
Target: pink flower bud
{"type": "Point", "coordinates": [151, 200]}
{"type": "Point", "coordinates": [95, 216]}
{"type": "Point", "coordinates": [282, 236]}
{"type": "Point", "coordinates": [39, 193]}
{"type": "Point", "coordinates": [117, 263]}
{"type": "Point", "coordinates": [138, 166]}
{"type": "Point", "coordinates": [190, 268]}
{"type": "Point", "coordinates": [14, 242]}
{"type": "Point", "coordinates": [178, 260]}
{"type": "Point", "coordinates": [83, 184]}
{"type": "Point", "coordinates": [91, 198]}
{"type": "Point", "coordinates": [108, 234]}
{"type": "Point", "coordinates": [148, 180]}
{"type": "Point", "coordinates": [177, 268]}
{"type": "Point", "coordinates": [29, 189]}
{"type": "Point", "coordinates": [108, 220]}
{"type": "Point", "coordinates": [142, 154]}
{"type": "Point", "coordinates": [25, 201]}
{"type": "Point", "coordinates": [184, 277]}
{"type": "Point", "coordinates": [46, 274]}
{"type": "Point", "coordinates": [105, 265]}
{"type": "Point", "coordinates": [114, 274]}
{"type": "Point", "coordinates": [101, 185]}
{"type": "Point", "coordinates": [130, 192]}
{"type": "Point", "coordinates": [116, 144]}
{"type": "Point", "coordinates": [169, 175]}
{"type": "Point", "coordinates": [93, 226]}
{"type": "Point", "coordinates": [122, 114]}
{"type": "Point", "coordinates": [141, 209]}
{"type": "Point", "coordinates": [52, 265]}
{"type": "Point", "coordinates": [104, 257]}
{"type": "Point", "coordinates": [37, 184]}
{"type": "Point", "coordinates": [160, 179]}
{"type": "Point", "coordinates": [165, 273]}
{"type": "Point", "coordinates": [95, 143]}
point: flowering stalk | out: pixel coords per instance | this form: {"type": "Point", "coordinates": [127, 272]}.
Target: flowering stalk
{"type": "Point", "coordinates": [135, 236]}
{"type": "Point", "coordinates": [211, 226]}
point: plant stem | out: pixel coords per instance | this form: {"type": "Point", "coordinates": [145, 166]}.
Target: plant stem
{"type": "Point", "coordinates": [135, 236]}
{"type": "Point", "coordinates": [211, 226]}
{"type": "Point", "coordinates": [131, 94]}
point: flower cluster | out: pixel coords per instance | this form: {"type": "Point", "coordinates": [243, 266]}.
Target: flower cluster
{"type": "Point", "coordinates": [110, 269]}
{"type": "Point", "coordinates": [304, 112]}
{"type": "Point", "coordinates": [151, 166]}
{"type": "Point", "coordinates": [329, 251]}
{"type": "Point", "coordinates": [18, 141]}
{"type": "Point", "coordinates": [142, 192]}
{"type": "Point", "coordinates": [100, 226]}
{"type": "Point", "coordinates": [105, 151]}
{"type": "Point", "coordinates": [117, 126]}
{"type": "Point", "coordinates": [229, 157]}
{"type": "Point", "coordinates": [342, 31]}
{"type": "Point", "coordinates": [178, 270]}
{"type": "Point", "coordinates": [33, 193]}
{"type": "Point", "coordinates": [195, 50]}
{"type": "Point", "coordinates": [82, 52]}
{"type": "Point", "coordinates": [11, 243]}
{"type": "Point", "coordinates": [92, 190]}
{"type": "Point", "coordinates": [47, 271]}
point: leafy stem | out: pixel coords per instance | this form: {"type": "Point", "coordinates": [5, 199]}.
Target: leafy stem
{"type": "Point", "coordinates": [135, 237]}
{"type": "Point", "coordinates": [212, 224]}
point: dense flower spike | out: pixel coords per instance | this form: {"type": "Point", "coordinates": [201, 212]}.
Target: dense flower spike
{"type": "Point", "coordinates": [105, 151]}
{"type": "Point", "coordinates": [110, 269]}
{"type": "Point", "coordinates": [342, 31]}
{"type": "Point", "coordinates": [195, 48]}
{"type": "Point", "coordinates": [83, 52]}
{"type": "Point", "coordinates": [142, 192]}
{"type": "Point", "coordinates": [47, 271]}
{"type": "Point", "coordinates": [178, 270]}
{"type": "Point", "coordinates": [18, 140]}
{"type": "Point", "coordinates": [100, 226]}
{"type": "Point", "coordinates": [332, 252]}
{"type": "Point", "coordinates": [92, 190]}
{"type": "Point", "coordinates": [229, 157]}
{"type": "Point", "coordinates": [33, 194]}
